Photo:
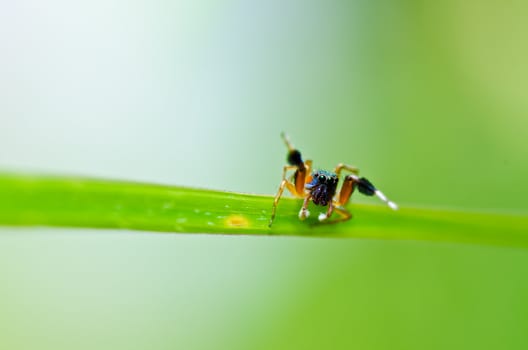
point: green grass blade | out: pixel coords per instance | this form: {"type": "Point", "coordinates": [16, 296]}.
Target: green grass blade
{"type": "Point", "coordinates": [81, 202]}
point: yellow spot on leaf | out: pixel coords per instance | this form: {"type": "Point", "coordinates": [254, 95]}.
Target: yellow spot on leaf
{"type": "Point", "coordinates": [236, 221]}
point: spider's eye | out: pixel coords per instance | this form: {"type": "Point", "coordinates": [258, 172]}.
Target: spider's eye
{"type": "Point", "coordinates": [322, 178]}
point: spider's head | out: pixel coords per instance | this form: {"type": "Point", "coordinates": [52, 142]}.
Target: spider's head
{"type": "Point", "coordinates": [323, 187]}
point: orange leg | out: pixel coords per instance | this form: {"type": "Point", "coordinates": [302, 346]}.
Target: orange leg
{"type": "Point", "coordinates": [296, 188]}
{"type": "Point", "coordinates": [364, 186]}
{"type": "Point", "coordinates": [344, 214]}
{"type": "Point", "coordinates": [349, 184]}
{"type": "Point", "coordinates": [300, 178]}
{"type": "Point", "coordinates": [341, 166]}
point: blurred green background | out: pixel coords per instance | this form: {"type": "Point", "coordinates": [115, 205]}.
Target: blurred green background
{"type": "Point", "coordinates": [429, 99]}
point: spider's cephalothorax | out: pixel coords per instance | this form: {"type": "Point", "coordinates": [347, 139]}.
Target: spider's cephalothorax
{"type": "Point", "coordinates": [321, 187]}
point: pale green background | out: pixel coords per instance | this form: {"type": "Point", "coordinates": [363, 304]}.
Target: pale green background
{"type": "Point", "coordinates": [428, 98]}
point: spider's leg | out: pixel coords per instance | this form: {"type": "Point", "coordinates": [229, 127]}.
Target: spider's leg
{"type": "Point", "coordinates": [364, 186]}
{"type": "Point", "coordinates": [350, 168]}
{"type": "Point", "coordinates": [296, 187]}
{"type": "Point", "coordinates": [344, 214]}
{"type": "Point", "coordinates": [329, 211]}
{"type": "Point", "coordinates": [348, 183]}
{"type": "Point", "coordinates": [348, 187]}
{"type": "Point", "coordinates": [300, 177]}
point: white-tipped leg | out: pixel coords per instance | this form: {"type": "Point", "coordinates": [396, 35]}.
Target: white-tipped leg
{"type": "Point", "coordinates": [303, 214]}
{"type": "Point", "coordinates": [392, 205]}
{"type": "Point", "coordinates": [287, 141]}
{"type": "Point", "coordinates": [381, 196]}
{"type": "Point", "coordinates": [324, 216]}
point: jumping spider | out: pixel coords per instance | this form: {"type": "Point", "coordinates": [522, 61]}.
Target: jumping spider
{"type": "Point", "coordinates": [321, 186]}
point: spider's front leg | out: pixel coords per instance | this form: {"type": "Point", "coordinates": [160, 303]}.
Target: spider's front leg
{"type": "Point", "coordinates": [302, 169]}
{"type": "Point", "coordinates": [364, 186]}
